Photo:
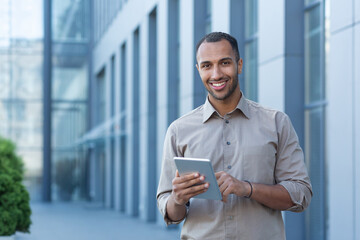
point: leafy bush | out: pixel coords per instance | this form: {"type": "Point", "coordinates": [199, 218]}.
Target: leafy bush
{"type": "Point", "coordinates": [14, 199]}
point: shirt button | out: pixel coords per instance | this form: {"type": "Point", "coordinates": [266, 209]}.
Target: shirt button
{"type": "Point", "coordinates": [228, 143]}
{"type": "Point", "coordinates": [229, 167]}
{"type": "Point", "coordinates": [230, 217]}
{"type": "Point", "coordinates": [227, 121]}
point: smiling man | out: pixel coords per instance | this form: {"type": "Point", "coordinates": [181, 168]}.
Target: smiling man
{"type": "Point", "coordinates": [254, 151]}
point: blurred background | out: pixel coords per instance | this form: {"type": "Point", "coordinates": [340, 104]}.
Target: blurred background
{"type": "Point", "coordinates": [89, 87]}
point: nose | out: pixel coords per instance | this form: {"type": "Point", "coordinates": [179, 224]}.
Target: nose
{"type": "Point", "coordinates": [216, 73]}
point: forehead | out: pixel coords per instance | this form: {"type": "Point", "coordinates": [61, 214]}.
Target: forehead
{"type": "Point", "coordinates": [212, 51]}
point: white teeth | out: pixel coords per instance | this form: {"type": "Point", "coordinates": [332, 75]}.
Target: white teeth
{"type": "Point", "coordinates": [218, 84]}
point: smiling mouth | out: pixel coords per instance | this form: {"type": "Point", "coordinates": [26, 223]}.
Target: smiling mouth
{"type": "Point", "coordinates": [218, 85]}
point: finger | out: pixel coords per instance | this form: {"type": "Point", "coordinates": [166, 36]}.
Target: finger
{"type": "Point", "coordinates": [193, 194]}
{"type": "Point", "coordinates": [222, 179]}
{"type": "Point", "coordinates": [224, 199]}
{"type": "Point", "coordinates": [194, 189]}
{"type": "Point", "coordinates": [222, 188]}
{"type": "Point", "coordinates": [177, 174]}
{"type": "Point", "coordinates": [185, 178]}
{"type": "Point", "coordinates": [191, 183]}
{"type": "Point", "coordinates": [197, 193]}
{"type": "Point", "coordinates": [227, 191]}
{"type": "Point", "coordinates": [218, 174]}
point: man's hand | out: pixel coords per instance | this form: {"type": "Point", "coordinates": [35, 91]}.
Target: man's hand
{"type": "Point", "coordinates": [184, 187]}
{"type": "Point", "coordinates": [272, 196]}
{"type": "Point", "coordinates": [230, 185]}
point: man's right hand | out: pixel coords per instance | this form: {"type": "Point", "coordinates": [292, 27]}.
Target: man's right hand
{"type": "Point", "coordinates": [184, 187]}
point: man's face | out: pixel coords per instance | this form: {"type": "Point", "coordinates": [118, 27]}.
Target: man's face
{"type": "Point", "coordinates": [218, 69]}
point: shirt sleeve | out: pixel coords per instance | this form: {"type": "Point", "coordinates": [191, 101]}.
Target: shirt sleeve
{"type": "Point", "coordinates": [168, 170]}
{"type": "Point", "coordinates": [290, 170]}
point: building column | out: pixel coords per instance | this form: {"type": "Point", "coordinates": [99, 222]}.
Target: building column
{"type": "Point", "coordinates": [47, 100]}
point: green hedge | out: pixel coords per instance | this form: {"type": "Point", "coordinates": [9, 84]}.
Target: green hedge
{"type": "Point", "coordinates": [14, 199]}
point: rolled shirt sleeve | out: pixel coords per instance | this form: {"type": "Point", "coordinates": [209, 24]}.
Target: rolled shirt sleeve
{"type": "Point", "coordinates": [290, 170]}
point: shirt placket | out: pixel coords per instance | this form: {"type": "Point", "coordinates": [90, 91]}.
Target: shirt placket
{"type": "Point", "coordinates": [229, 144]}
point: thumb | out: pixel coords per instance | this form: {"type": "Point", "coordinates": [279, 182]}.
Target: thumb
{"type": "Point", "coordinates": [177, 174]}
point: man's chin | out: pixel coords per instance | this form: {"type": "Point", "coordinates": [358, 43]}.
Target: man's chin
{"type": "Point", "coordinates": [219, 97]}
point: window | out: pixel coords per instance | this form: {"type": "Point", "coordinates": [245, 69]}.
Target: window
{"type": "Point", "coordinates": [251, 48]}
{"type": "Point", "coordinates": [123, 140]}
{"type": "Point", "coordinates": [173, 60]}
{"type": "Point", "coordinates": [315, 104]}
{"type": "Point", "coordinates": [152, 117]}
{"type": "Point", "coordinates": [100, 97]}
{"type": "Point", "coordinates": [208, 16]}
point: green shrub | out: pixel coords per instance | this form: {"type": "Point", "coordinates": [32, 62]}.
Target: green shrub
{"type": "Point", "coordinates": [14, 199]}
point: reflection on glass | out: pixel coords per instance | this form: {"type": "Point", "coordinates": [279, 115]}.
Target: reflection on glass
{"type": "Point", "coordinates": [208, 16]}
{"type": "Point", "coordinates": [70, 20]}
{"type": "Point", "coordinates": [250, 58]}
{"type": "Point", "coordinates": [250, 18]}
{"type": "Point", "coordinates": [314, 84]}
{"type": "Point", "coordinates": [314, 120]}
{"type": "Point", "coordinates": [313, 155]}
{"type": "Point", "coordinates": [69, 120]}
{"type": "Point", "coordinates": [5, 73]}
{"type": "Point", "coordinates": [70, 35]}
{"type": "Point", "coordinates": [307, 2]}
{"type": "Point", "coordinates": [100, 97]}
{"type": "Point", "coordinates": [251, 70]}
{"type": "Point", "coordinates": [21, 59]}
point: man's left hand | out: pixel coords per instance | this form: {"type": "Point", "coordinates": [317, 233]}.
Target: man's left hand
{"type": "Point", "coordinates": [230, 185]}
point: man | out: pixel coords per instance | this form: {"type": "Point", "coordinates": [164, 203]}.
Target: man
{"type": "Point", "coordinates": [254, 151]}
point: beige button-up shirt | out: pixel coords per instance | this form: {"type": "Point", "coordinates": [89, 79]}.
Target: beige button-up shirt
{"type": "Point", "coordinates": [251, 143]}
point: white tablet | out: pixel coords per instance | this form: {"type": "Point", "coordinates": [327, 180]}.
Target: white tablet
{"type": "Point", "coordinates": [204, 167]}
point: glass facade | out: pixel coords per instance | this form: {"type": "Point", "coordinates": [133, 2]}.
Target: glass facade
{"type": "Point", "coordinates": [21, 59]}
{"type": "Point", "coordinates": [250, 67]}
{"type": "Point", "coordinates": [208, 16]}
{"type": "Point", "coordinates": [315, 103]}
{"type": "Point", "coordinates": [70, 37]}
{"type": "Point", "coordinates": [173, 60]}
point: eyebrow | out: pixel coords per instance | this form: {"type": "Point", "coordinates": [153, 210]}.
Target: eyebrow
{"type": "Point", "coordinates": [223, 59]}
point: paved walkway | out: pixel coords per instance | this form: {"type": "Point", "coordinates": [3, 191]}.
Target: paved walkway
{"type": "Point", "coordinates": [74, 221]}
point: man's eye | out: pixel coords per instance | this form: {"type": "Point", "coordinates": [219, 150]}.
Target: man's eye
{"type": "Point", "coordinates": [226, 63]}
{"type": "Point", "coordinates": [206, 65]}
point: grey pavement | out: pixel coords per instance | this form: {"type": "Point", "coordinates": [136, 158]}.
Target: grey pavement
{"type": "Point", "coordinates": [80, 221]}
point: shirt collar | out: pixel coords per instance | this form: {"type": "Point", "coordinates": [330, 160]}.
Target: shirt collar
{"type": "Point", "coordinates": [242, 105]}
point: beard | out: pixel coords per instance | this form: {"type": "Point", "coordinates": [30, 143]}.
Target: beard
{"type": "Point", "coordinates": [229, 93]}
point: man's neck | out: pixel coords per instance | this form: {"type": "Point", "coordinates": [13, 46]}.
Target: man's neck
{"type": "Point", "coordinates": [228, 105]}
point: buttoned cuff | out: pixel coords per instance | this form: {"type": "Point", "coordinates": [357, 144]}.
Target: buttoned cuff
{"type": "Point", "coordinates": [299, 193]}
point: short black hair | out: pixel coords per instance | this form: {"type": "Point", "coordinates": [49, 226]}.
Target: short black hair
{"type": "Point", "coordinates": [217, 37]}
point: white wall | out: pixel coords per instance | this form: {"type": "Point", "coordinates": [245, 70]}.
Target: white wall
{"type": "Point", "coordinates": [271, 80]}
{"type": "Point", "coordinates": [342, 128]}
{"type": "Point", "coordinates": [187, 63]}
{"type": "Point", "coordinates": [220, 16]}
{"type": "Point", "coordinates": [357, 123]}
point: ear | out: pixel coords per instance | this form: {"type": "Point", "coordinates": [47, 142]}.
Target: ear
{"type": "Point", "coordinates": [240, 65]}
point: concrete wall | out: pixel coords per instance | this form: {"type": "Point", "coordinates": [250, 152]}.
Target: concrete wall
{"type": "Point", "coordinates": [343, 122]}
{"type": "Point", "coordinates": [271, 56]}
